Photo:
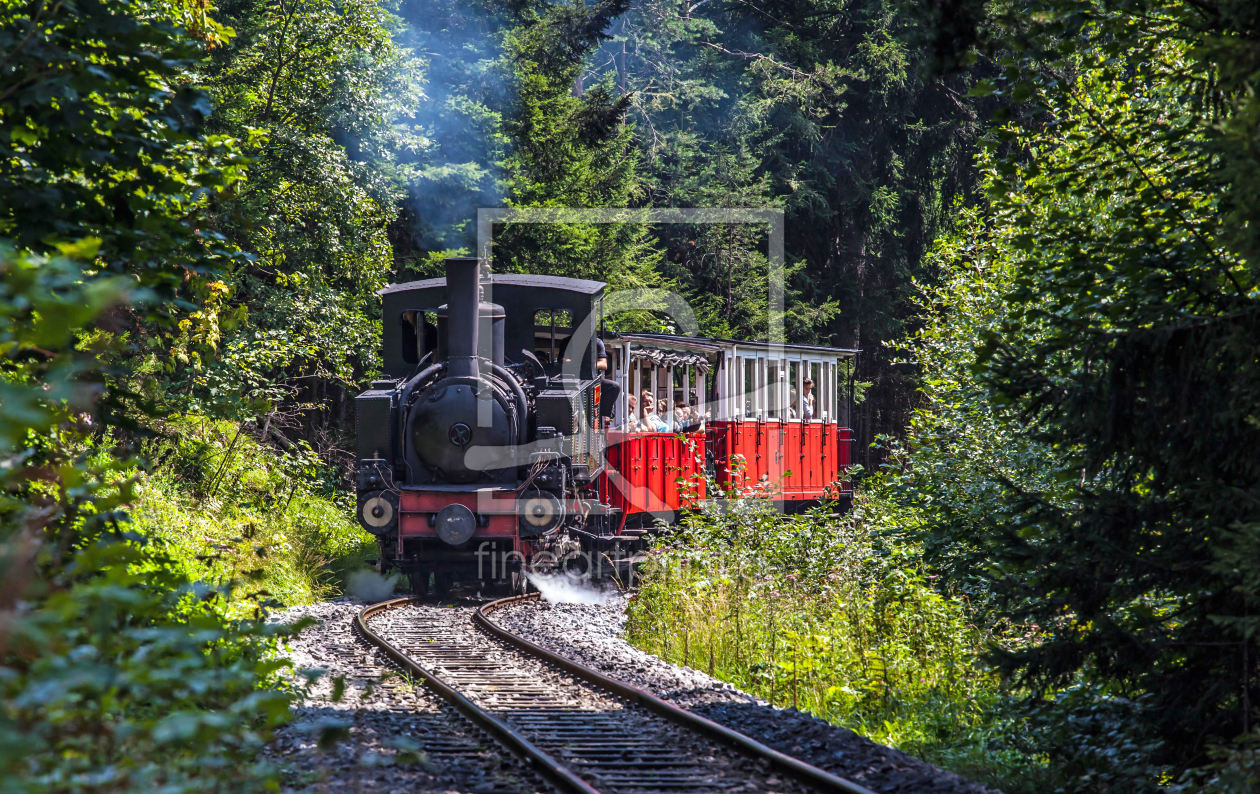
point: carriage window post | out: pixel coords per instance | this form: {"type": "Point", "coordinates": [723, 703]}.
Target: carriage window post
{"type": "Point", "coordinates": [765, 402]}
{"type": "Point", "coordinates": [776, 386]}
{"type": "Point", "coordinates": [751, 393]}
{"type": "Point", "coordinates": [763, 397]}
{"type": "Point", "coordinates": [636, 384]}
{"type": "Point", "coordinates": [794, 390]}
{"type": "Point", "coordinates": [832, 371]}
{"type": "Point", "coordinates": [772, 389]}
{"type": "Point", "coordinates": [833, 390]}
{"type": "Point", "coordinates": [817, 393]}
{"type": "Point", "coordinates": [780, 406]}
{"type": "Point", "coordinates": [669, 398]}
{"type": "Point", "coordinates": [655, 388]}
{"type": "Point", "coordinates": [623, 372]}
{"type": "Point", "coordinates": [834, 387]}
{"type": "Point", "coordinates": [730, 367]}
{"type": "Point", "coordinates": [700, 393]}
{"type": "Point", "coordinates": [742, 409]}
{"type": "Point", "coordinates": [759, 388]}
{"type": "Point", "coordinates": [824, 387]}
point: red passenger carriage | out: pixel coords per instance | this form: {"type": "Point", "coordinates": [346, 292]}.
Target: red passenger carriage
{"type": "Point", "coordinates": [775, 423]}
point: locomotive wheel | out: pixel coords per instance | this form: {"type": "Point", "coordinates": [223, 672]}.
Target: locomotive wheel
{"type": "Point", "coordinates": [419, 583]}
{"type": "Point", "coordinates": [442, 583]}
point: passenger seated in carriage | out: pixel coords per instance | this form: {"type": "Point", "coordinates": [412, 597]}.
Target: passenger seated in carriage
{"type": "Point", "coordinates": [631, 423]}
{"type": "Point", "coordinates": [652, 423]}
{"type": "Point", "coordinates": [699, 419]}
{"type": "Point", "coordinates": [682, 416]}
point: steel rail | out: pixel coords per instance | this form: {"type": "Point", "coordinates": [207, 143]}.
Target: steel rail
{"type": "Point", "coordinates": [555, 773]}
{"type": "Point", "coordinates": [787, 764]}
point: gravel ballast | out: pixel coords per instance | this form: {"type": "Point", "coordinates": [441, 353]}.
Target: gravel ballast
{"type": "Point", "coordinates": [592, 636]}
{"type": "Point", "coordinates": [399, 738]}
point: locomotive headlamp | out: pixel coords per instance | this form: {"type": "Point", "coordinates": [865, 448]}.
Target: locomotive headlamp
{"type": "Point", "coordinates": [378, 511]}
{"type": "Point", "coordinates": [540, 512]}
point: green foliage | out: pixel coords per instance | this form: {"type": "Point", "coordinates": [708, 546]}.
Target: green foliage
{"type": "Point", "coordinates": [311, 90]}
{"type": "Point", "coordinates": [42, 376]}
{"type": "Point", "coordinates": [228, 508]}
{"type": "Point", "coordinates": [1126, 346]}
{"type": "Point", "coordinates": [118, 673]}
{"type": "Point", "coordinates": [1148, 362]}
{"type": "Point", "coordinates": [128, 677]}
{"type": "Point", "coordinates": [101, 137]}
{"type": "Point", "coordinates": [826, 615]}
{"type": "Point", "coordinates": [963, 451]}
{"type": "Point", "coordinates": [951, 482]}
{"type": "Point", "coordinates": [507, 127]}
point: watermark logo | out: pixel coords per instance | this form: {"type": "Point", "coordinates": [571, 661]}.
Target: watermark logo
{"type": "Point", "coordinates": [669, 473]}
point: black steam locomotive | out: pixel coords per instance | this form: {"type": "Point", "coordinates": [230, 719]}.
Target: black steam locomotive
{"type": "Point", "coordinates": [477, 451]}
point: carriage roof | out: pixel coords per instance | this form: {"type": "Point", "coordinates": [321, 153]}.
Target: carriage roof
{"type": "Point", "coordinates": [580, 286]}
{"type": "Point", "coordinates": [718, 344]}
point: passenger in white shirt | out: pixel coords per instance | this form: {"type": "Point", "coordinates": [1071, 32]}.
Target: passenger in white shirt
{"type": "Point", "coordinates": [651, 422]}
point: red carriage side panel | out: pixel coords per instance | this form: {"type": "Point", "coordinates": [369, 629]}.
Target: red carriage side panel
{"type": "Point", "coordinates": [793, 461]}
{"type": "Point", "coordinates": [671, 466]}
{"type": "Point", "coordinates": [816, 453]}
{"type": "Point", "coordinates": [655, 477]}
{"type": "Point", "coordinates": [772, 456]}
{"type": "Point", "coordinates": [827, 456]}
{"type": "Point", "coordinates": [652, 472]}
{"type": "Point", "coordinates": [817, 472]}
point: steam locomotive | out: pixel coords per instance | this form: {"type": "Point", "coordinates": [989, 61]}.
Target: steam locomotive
{"type": "Point", "coordinates": [487, 446]}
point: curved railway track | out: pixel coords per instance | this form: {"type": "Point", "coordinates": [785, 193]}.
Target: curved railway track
{"type": "Point", "coordinates": [584, 732]}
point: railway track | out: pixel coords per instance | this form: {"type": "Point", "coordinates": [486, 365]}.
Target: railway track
{"type": "Point", "coordinates": [584, 732]}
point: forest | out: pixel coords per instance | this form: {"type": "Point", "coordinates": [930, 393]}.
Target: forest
{"type": "Point", "coordinates": [1035, 219]}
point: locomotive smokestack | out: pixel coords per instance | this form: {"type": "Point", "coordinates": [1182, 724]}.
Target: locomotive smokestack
{"type": "Point", "coordinates": [463, 297]}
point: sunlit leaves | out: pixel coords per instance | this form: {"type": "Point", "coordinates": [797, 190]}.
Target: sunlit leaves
{"type": "Point", "coordinates": [99, 136]}
{"type": "Point", "coordinates": [314, 87]}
